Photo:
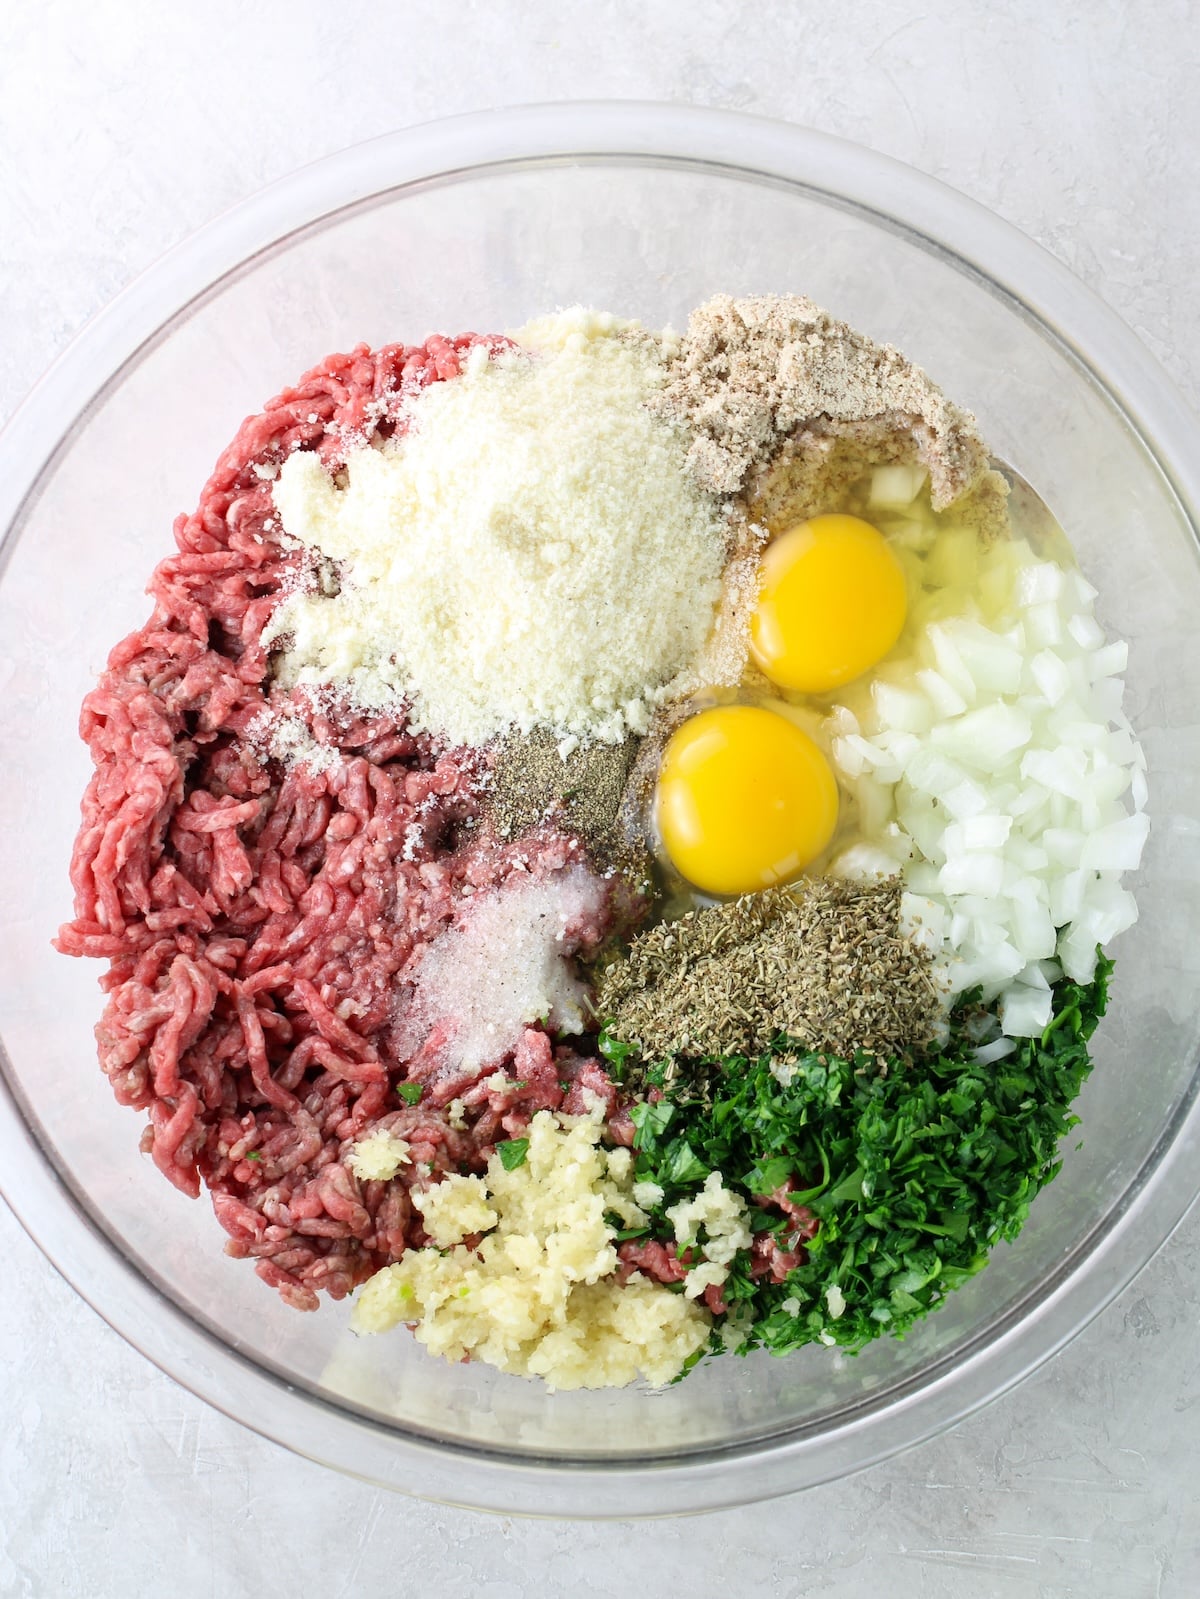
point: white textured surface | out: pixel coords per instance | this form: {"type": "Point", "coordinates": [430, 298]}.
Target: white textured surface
{"type": "Point", "coordinates": [125, 124]}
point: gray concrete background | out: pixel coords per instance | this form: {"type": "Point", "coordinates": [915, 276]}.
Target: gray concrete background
{"type": "Point", "coordinates": [124, 125]}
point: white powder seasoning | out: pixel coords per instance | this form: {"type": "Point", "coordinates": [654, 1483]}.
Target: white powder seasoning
{"type": "Point", "coordinates": [502, 966]}
{"type": "Point", "coordinates": [531, 552]}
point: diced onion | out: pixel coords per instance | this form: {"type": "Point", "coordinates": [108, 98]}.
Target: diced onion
{"type": "Point", "coordinates": [1025, 1012]}
{"type": "Point", "coordinates": [988, 1054]}
{"type": "Point", "coordinates": [894, 488]}
{"type": "Point", "coordinates": [995, 769]}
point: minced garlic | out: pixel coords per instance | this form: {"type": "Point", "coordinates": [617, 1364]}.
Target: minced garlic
{"type": "Point", "coordinates": [539, 1297]}
{"type": "Point", "coordinates": [725, 1219]}
{"type": "Point", "coordinates": [378, 1157]}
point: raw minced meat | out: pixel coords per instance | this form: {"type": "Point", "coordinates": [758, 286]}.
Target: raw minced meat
{"type": "Point", "coordinates": [261, 919]}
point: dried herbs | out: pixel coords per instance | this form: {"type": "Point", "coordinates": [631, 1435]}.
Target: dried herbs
{"type": "Point", "coordinates": [824, 962]}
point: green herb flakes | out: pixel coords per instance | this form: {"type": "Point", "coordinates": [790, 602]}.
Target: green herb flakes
{"type": "Point", "coordinates": [512, 1152]}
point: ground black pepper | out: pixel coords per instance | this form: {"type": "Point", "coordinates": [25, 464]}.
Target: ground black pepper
{"type": "Point", "coordinates": [581, 793]}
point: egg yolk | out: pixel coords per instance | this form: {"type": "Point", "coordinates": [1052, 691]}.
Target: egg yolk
{"type": "Point", "coordinates": [745, 800]}
{"type": "Point", "coordinates": [831, 603]}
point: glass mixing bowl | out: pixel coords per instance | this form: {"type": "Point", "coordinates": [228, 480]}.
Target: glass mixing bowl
{"type": "Point", "coordinates": [477, 223]}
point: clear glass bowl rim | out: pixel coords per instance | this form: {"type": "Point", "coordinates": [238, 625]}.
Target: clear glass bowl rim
{"type": "Point", "coordinates": [1010, 265]}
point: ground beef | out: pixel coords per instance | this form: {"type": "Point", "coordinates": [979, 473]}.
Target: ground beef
{"type": "Point", "coordinates": [662, 1263]}
{"type": "Point", "coordinates": [774, 1256]}
{"type": "Point", "coordinates": [259, 920]}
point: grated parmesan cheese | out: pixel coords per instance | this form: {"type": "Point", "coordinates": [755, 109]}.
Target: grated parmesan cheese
{"type": "Point", "coordinates": [289, 739]}
{"type": "Point", "coordinates": [531, 552]}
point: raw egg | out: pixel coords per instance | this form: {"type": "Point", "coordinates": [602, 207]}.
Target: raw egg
{"type": "Point", "coordinates": [745, 800]}
{"type": "Point", "coordinates": [831, 603]}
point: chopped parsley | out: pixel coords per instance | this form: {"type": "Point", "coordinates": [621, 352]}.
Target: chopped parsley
{"type": "Point", "coordinates": [913, 1172]}
{"type": "Point", "coordinates": [512, 1152]}
{"type": "Point", "coordinates": [650, 1122]}
{"type": "Point", "coordinates": [410, 1093]}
